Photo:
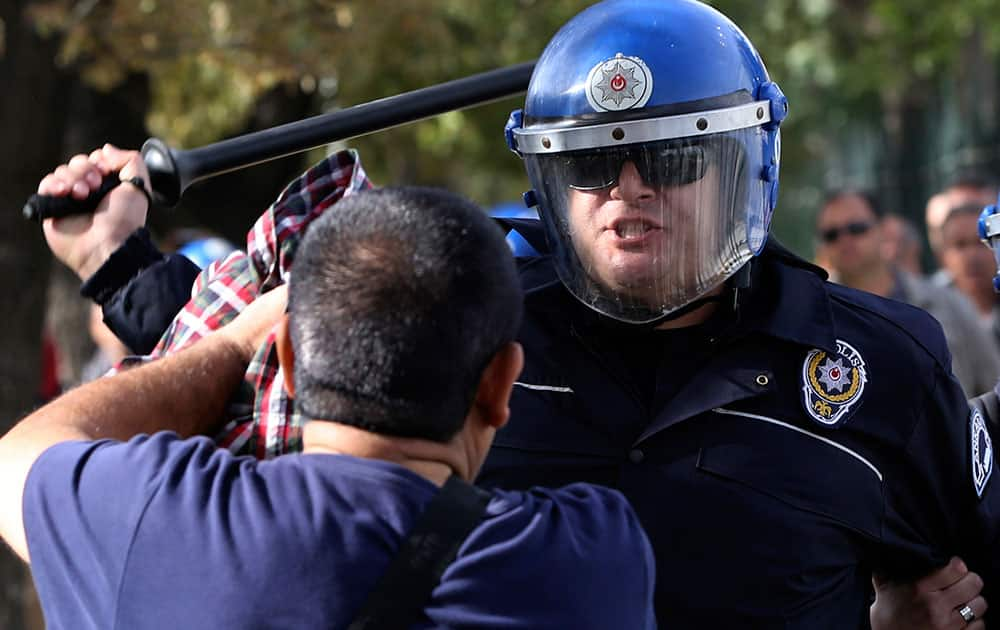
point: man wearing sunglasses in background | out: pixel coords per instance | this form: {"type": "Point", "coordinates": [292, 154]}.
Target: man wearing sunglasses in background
{"type": "Point", "coordinates": [850, 240]}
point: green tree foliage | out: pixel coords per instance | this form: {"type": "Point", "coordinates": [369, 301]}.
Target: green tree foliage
{"type": "Point", "coordinates": [853, 71]}
{"type": "Point", "coordinates": [893, 95]}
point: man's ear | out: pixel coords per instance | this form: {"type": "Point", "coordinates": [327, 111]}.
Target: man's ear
{"type": "Point", "coordinates": [493, 395]}
{"type": "Point", "coordinates": [286, 354]}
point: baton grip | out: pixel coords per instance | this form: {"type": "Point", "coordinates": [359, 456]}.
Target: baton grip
{"type": "Point", "coordinates": [41, 207]}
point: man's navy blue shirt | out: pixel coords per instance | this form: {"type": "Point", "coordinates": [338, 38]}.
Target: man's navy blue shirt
{"type": "Point", "coordinates": [165, 533]}
{"type": "Point", "coordinates": [776, 455]}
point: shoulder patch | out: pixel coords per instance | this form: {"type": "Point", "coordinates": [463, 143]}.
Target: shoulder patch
{"type": "Point", "coordinates": [832, 384]}
{"type": "Point", "coordinates": [981, 452]}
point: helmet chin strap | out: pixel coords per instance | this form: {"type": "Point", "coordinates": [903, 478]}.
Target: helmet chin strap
{"type": "Point", "coordinates": [739, 281]}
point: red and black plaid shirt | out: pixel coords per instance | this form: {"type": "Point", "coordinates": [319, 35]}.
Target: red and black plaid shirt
{"type": "Point", "coordinates": [260, 419]}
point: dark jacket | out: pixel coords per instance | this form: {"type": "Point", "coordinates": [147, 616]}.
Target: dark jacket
{"type": "Point", "coordinates": [776, 458]}
{"type": "Point", "coordinates": [140, 290]}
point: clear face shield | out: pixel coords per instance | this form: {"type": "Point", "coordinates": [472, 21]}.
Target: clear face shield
{"type": "Point", "coordinates": [640, 230]}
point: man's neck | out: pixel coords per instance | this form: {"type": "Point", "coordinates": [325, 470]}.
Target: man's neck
{"type": "Point", "coordinates": [984, 301]}
{"type": "Point", "coordinates": [697, 316]}
{"type": "Point", "coordinates": [433, 461]}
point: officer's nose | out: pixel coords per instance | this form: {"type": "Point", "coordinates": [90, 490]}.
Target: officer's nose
{"type": "Point", "coordinates": [630, 187]}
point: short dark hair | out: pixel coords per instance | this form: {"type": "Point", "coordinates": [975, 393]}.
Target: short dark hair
{"type": "Point", "coordinates": [865, 195]}
{"type": "Point", "coordinates": [398, 300]}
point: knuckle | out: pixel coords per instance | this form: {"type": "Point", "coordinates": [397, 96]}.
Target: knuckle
{"type": "Point", "coordinates": [977, 581]}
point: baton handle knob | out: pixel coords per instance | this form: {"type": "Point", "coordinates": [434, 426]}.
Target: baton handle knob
{"type": "Point", "coordinates": [41, 207]}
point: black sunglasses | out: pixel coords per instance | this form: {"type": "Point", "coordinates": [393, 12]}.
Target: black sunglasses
{"type": "Point", "coordinates": [659, 164]}
{"type": "Point", "coordinates": [856, 228]}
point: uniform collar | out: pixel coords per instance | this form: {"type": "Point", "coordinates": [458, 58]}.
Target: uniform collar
{"type": "Point", "coordinates": [789, 300]}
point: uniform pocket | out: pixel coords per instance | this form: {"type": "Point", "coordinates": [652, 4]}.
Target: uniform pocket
{"type": "Point", "coordinates": [803, 469]}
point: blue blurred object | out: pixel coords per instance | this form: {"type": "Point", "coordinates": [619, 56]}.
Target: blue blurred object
{"type": "Point", "coordinates": [205, 251]}
{"type": "Point", "coordinates": [520, 247]}
{"type": "Point", "coordinates": [513, 210]}
{"type": "Point", "coordinates": [989, 232]}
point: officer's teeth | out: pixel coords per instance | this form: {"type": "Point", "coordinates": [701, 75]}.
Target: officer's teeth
{"type": "Point", "coordinates": [630, 229]}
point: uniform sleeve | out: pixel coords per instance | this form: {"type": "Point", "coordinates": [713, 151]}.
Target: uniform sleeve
{"type": "Point", "coordinates": [82, 503]}
{"type": "Point", "coordinates": [955, 509]}
{"type": "Point", "coordinates": [140, 291]}
{"type": "Point", "coordinates": [575, 557]}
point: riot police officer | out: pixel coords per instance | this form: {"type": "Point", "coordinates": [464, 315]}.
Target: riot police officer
{"type": "Point", "coordinates": [781, 438]}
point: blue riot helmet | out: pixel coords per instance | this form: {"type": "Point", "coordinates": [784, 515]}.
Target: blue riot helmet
{"type": "Point", "coordinates": [650, 137]}
{"type": "Point", "coordinates": [989, 233]}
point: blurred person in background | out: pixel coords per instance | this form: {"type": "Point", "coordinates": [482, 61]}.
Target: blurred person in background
{"type": "Point", "coordinates": [901, 243]}
{"type": "Point", "coordinates": [969, 188]}
{"type": "Point", "coordinates": [850, 232]}
{"type": "Point", "coordinates": [970, 265]}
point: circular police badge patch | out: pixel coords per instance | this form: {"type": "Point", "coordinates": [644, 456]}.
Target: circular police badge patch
{"type": "Point", "coordinates": [833, 383]}
{"type": "Point", "coordinates": [619, 83]}
{"type": "Point", "coordinates": [982, 452]}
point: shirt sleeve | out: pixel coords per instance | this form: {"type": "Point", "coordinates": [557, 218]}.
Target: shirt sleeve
{"type": "Point", "coordinates": [955, 508]}
{"type": "Point", "coordinates": [574, 557]}
{"type": "Point", "coordinates": [140, 290]}
{"type": "Point", "coordinates": [82, 504]}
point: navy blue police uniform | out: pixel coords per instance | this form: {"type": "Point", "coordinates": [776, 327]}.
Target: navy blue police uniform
{"type": "Point", "coordinates": [777, 454]}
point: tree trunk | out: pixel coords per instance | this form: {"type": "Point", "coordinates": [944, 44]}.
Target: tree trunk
{"type": "Point", "coordinates": [31, 125]}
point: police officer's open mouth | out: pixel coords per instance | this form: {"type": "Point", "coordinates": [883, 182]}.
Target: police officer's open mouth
{"type": "Point", "coordinates": [630, 229]}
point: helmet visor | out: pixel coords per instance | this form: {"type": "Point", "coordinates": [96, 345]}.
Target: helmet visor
{"type": "Point", "coordinates": [639, 231]}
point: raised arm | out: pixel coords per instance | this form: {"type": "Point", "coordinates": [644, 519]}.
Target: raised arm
{"type": "Point", "coordinates": [139, 289]}
{"type": "Point", "coordinates": [184, 393]}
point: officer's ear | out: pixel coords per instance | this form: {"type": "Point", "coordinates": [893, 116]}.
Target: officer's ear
{"type": "Point", "coordinates": [286, 354]}
{"type": "Point", "coordinates": [492, 402]}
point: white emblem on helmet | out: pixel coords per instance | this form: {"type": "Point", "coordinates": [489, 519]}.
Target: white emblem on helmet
{"type": "Point", "coordinates": [619, 83]}
{"type": "Point", "coordinates": [833, 383]}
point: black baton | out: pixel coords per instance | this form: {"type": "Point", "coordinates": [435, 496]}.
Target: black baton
{"type": "Point", "coordinates": [171, 171]}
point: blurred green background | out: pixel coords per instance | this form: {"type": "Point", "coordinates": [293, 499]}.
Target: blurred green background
{"type": "Point", "coordinates": [897, 96]}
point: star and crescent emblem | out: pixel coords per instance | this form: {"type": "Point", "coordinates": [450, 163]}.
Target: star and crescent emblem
{"type": "Point", "coordinates": [619, 83]}
{"type": "Point", "coordinates": [832, 383]}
